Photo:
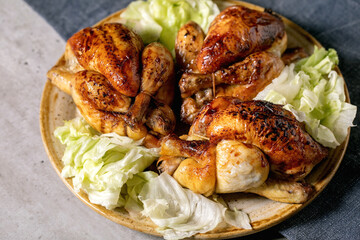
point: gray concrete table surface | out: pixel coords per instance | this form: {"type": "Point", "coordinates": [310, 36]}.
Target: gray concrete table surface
{"type": "Point", "coordinates": [35, 204]}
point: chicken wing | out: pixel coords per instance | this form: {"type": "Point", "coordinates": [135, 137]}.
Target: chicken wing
{"type": "Point", "coordinates": [188, 43]}
{"type": "Point", "coordinates": [293, 54]}
{"type": "Point", "coordinates": [284, 190]}
{"type": "Point", "coordinates": [101, 69]}
{"type": "Point", "coordinates": [62, 74]}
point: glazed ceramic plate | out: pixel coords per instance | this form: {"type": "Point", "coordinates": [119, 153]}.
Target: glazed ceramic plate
{"type": "Point", "coordinates": [56, 106]}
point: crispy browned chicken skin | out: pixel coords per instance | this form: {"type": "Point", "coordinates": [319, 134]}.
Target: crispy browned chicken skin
{"type": "Point", "coordinates": [250, 76]}
{"type": "Point", "coordinates": [188, 43]}
{"type": "Point", "coordinates": [291, 150]}
{"type": "Point", "coordinates": [226, 167]}
{"type": "Point", "coordinates": [239, 57]}
{"type": "Point", "coordinates": [234, 34]}
{"type": "Point", "coordinates": [112, 50]}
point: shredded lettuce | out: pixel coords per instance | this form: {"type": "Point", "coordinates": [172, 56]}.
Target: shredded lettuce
{"type": "Point", "coordinates": [181, 213]}
{"type": "Point", "coordinates": [102, 164]}
{"type": "Point", "coordinates": [160, 20]}
{"type": "Point", "coordinates": [315, 94]}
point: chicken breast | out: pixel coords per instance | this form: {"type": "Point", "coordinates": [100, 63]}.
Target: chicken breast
{"type": "Point", "coordinates": [112, 50]}
{"type": "Point", "coordinates": [237, 32]}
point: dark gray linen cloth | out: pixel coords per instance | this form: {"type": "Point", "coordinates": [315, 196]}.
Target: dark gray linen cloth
{"type": "Point", "coordinates": [335, 214]}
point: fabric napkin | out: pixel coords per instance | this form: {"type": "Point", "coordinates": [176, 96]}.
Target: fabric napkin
{"type": "Point", "coordinates": [335, 214]}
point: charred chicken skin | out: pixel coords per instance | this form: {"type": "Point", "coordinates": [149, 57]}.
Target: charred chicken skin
{"type": "Point", "coordinates": [249, 76]}
{"type": "Point", "coordinates": [112, 50]}
{"type": "Point", "coordinates": [104, 67]}
{"type": "Point", "coordinates": [188, 43]}
{"type": "Point", "coordinates": [291, 151]}
{"type": "Point", "coordinates": [239, 57]}
{"type": "Point", "coordinates": [234, 34]}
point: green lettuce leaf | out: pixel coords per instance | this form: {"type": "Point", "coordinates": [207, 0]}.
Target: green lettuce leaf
{"type": "Point", "coordinates": [109, 168]}
{"type": "Point", "coordinates": [315, 94]}
{"type": "Point", "coordinates": [132, 189]}
{"type": "Point", "coordinates": [160, 20]}
{"type": "Point", "coordinates": [181, 213]}
{"type": "Point", "coordinates": [101, 164]}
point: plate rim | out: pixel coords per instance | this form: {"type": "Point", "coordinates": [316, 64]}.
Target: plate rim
{"type": "Point", "coordinates": [150, 229]}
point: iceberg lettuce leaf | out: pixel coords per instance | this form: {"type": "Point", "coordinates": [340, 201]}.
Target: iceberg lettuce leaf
{"type": "Point", "coordinates": [160, 20]}
{"type": "Point", "coordinates": [101, 164]}
{"type": "Point", "coordinates": [315, 94]}
{"type": "Point", "coordinates": [181, 213]}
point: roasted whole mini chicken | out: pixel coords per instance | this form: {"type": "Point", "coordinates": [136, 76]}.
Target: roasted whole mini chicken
{"type": "Point", "coordinates": [291, 151]}
{"type": "Point", "coordinates": [245, 141]}
{"type": "Point", "coordinates": [239, 57]}
{"type": "Point", "coordinates": [117, 84]}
